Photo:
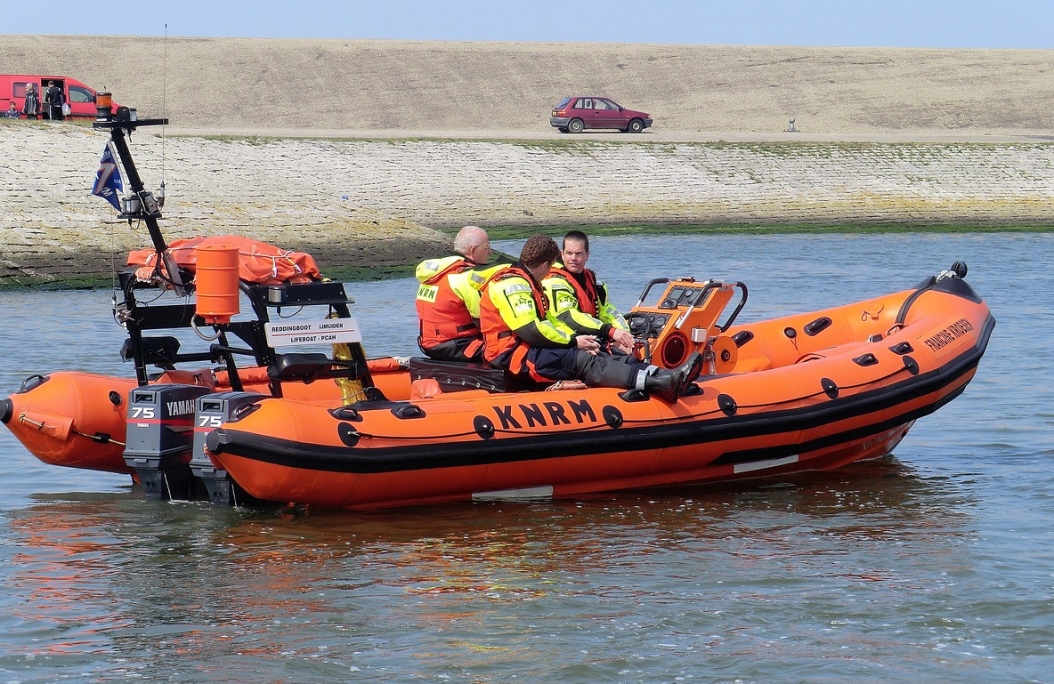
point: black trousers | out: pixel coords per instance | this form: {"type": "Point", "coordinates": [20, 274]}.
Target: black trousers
{"type": "Point", "coordinates": [596, 370]}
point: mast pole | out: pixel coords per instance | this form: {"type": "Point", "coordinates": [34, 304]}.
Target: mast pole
{"type": "Point", "coordinates": [148, 209]}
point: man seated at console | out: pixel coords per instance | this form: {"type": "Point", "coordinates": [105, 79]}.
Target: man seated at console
{"type": "Point", "coordinates": [580, 300]}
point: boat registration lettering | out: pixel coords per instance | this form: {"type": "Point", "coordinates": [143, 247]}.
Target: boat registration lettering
{"type": "Point", "coordinates": [546, 414]}
{"type": "Point", "coordinates": [313, 339]}
{"type": "Point", "coordinates": [945, 337]}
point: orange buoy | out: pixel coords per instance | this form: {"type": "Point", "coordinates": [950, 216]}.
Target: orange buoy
{"type": "Point", "coordinates": [217, 283]}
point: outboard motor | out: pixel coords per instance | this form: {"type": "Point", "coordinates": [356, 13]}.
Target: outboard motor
{"type": "Point", "coordinates": [213, 410]}
{"type": "Point", "coordinates": [160, 433]}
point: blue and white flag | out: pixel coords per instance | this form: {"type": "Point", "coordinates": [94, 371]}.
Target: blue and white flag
{"type": "Point", "coordinates": [108, 180]}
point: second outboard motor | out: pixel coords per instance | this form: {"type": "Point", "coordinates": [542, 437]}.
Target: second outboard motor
{"type": "Point", "coordinates": [212, 411]}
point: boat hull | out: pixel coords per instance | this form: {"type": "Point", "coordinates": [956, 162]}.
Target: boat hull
{"type": "Point", "coordinates": [542, 478]}
{"type": "Point", "coordinates": [819, 406]}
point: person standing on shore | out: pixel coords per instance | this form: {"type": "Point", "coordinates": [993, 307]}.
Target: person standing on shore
{"type": "Point", "coordinates": [448, 298]}
{"type": "Point", "coordinates": [31, 107]}
{"type": "Point", "coordinates": [580, 300]}
{"type": "Point", "coordinates": [12, 111]}
{"type": "Point", "coordinates": [53, 102]}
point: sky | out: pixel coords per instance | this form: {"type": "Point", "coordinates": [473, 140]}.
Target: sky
{"type": "Point", "coordinates": [835, 23]}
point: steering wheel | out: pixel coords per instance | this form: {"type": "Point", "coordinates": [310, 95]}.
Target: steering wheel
{"type": "Point", "coordinates": [640, 327]}
{"type": "Point", "coordinates": [639, 324]}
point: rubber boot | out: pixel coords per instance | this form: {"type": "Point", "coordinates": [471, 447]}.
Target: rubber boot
{"type": "Point", "coordinates": [641, 375]}
{"type": "Point", "coordinates": [692, 369]}
{"type": "Point", "coordinates": [665, 384]}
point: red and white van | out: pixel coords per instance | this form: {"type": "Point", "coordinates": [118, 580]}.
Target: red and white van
{"type": "Point", "coordinates": [80, 97]}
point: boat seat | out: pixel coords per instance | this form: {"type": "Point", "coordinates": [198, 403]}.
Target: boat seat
{"type": "Point", "coordinates": [162, 351]}
{"type": "Point", "coordinates": [306, 368]}
{"type": "Point", "coordinates": [455, 376]}
{"type": "Point", "coordinates": [428, 388]}
{"type": "Point", "coordinates": [425, 388]}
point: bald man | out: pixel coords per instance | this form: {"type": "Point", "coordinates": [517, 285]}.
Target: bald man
{"type": "Point", "coordinates": [448, 298]}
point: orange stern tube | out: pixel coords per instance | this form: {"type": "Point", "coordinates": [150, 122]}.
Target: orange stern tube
{"type": "Point", "coordinates": [71, 419]}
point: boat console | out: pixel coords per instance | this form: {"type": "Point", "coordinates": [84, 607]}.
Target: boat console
{"type": "Point", "coordinates": [684, 318]}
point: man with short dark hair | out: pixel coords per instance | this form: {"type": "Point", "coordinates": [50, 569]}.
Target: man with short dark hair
{"type": "Point", "coordinates": [580, 300]}
{"type": "Point", "coordinates": [519, 337]}
{"type": "Point", "coordinates": [53, 100]}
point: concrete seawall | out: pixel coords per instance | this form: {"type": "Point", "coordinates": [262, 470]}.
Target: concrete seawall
{"type": "Point", "coordinates": [376, 203]}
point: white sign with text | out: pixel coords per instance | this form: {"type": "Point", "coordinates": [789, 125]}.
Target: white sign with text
{"type": "Point", "coordinates": [327, 331]}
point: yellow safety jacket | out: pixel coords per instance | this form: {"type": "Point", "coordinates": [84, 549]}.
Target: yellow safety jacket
{"type": "Point", "coordinates": [513, 318]}
{"type": "Point", "coordinates": [581, 303]}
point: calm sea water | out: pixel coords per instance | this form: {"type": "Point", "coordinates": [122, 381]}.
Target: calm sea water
{"type": "Point", "coordinates": [934, 564]}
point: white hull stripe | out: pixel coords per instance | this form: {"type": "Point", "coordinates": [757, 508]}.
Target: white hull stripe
{"type": "Point", "coordinates": [762, 465]}
{"type": "Point", "coordinates": [543, 492]}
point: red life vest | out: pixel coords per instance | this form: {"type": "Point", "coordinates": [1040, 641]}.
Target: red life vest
{"type": "Point", "coordinates": [498, 337]}
{"type": "Point", "coordinates": [445, 317]}
{"type": "Point", "coordinates": [587, 293]}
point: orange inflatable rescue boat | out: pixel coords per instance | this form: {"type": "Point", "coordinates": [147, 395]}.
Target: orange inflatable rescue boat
{"type": "Point", "coordinates": [813, 391]}
{"type": "Point", "coordinates": [283, 405]}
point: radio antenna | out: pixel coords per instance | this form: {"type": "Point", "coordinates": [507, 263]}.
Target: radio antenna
{"type": "Point", "coordinates": [164, 108]}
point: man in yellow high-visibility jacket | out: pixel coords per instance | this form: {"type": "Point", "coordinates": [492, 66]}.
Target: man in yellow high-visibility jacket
{"type": "Point", "coordinates": [580, 300]}
{"type": "Point", "coordinates": [519, 337]}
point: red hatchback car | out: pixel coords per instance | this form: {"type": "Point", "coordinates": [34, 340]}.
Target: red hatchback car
{"type": "Point", "coordinates": [575, 114]}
